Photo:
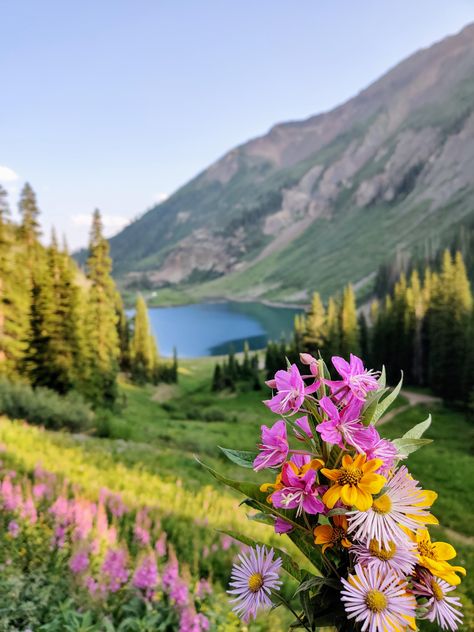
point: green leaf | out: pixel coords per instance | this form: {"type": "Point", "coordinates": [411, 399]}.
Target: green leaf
{"type": "Point", "coordinates": [411, 440]}
{"type": "Point", "coordinates": [407, 446]}
{"type": "Point", "coordinates": [383, 378]}
{"type": "Point", "coordinates": [306, 545]}
{"type": "Point", "coordinates": [419, 430]}
{"type": "Point", "coordinates": [244, 458]}
{"type": "Point", "coordinates": [386, 402]}
{"type": "Point", "coordinates": [288, 563]}
{"type": "Point", "coordinates": [252, 491]}
{"type": "Point", "coordinates": [261, 517]}
{"type": "Point", "coordinates": [317, 582]}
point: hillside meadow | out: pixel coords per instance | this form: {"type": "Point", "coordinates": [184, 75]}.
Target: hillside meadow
{"type": "Point", "coordinates": [149, 460]}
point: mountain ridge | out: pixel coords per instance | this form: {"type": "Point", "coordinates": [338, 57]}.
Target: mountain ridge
{"type": "Point", "coordinates": [388, 170]}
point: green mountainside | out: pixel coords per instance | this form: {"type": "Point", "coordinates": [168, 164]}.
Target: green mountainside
{"type": "Point", "coordinates": [317, 203]}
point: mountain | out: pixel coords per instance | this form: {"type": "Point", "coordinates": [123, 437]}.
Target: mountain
{"type": "Point", "coordinates": [314, 204]}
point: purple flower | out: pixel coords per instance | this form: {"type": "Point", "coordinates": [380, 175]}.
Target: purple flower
{"type": "Point", "coordinates": [299, 491]}
{"type": "Point", "coordinates": [253, 580]}
{"type": "Point", "coordinates": [344, 426]}
{"type": "Point", "coordinates": [79, 562]}
{"type": "Point", "coordinates": [291, 391]}
{"type": "Point", "coordinates": [114, 568]}
{"type": "Point", "coordinates": [191, 621]}
{"type": "Point", "coordinates": [303, 424]}
{"type": "Point", "coordinates": [282, 526]}
{"type": "Point", "coordinates": [442, 607]}
{"type": "Point", "coordinates": [13, 528]}
{"type": "Point", "coordinates": [160, 545]}
{"type": "Point", "coordinates": [356, 379]}
{"type": "Point", "coordinates": [146, 575]}
{"type": "Point", "coordinates": [203, 588]}
{"type": "Point", "coordinates": [274, 447]}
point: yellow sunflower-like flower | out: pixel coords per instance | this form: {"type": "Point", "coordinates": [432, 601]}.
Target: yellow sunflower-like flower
{"type": "Point", "coordinates": [331, 534]}
{"type": "Point", "coordinates": [435, 555]}
{"type": "Point", "coordinates": [354, 483]}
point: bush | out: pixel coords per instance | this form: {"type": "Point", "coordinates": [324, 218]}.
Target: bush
{"type": "Point", "coordinates": [44, 407]}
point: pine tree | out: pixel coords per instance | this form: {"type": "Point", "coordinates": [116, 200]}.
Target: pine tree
{"type": "Point", "coordinates": [28, 207]}
{"type": "Point", "coordinates": [143, 351]}
{"type": "Point", "coordinates": [364, 337]}
{"type": "Point", "coordinates": [102, 337]}
{"type": "Point", "coordinates": [333, 342]}
{"type": "Point", "coordinates": [349, 326]}
{"type": "Point", "coordinates": [315, 326]}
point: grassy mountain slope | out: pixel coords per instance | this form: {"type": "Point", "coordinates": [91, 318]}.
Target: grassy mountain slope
{"type": "Point", "coordinates": [316, 203]}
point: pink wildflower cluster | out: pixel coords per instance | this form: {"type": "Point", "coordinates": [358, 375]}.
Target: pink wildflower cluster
{"type": "Point", "coordinates": [111, 550]}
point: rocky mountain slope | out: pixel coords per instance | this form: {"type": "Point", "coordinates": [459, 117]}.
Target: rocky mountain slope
{"type": "Point", "coordinates": [317, 203]}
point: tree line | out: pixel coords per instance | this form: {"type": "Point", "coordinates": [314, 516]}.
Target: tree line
{"type": "Point", "coordinates": [423, 327]}
{"type": "Point", "coordinates": [60, 327]}
{"type": "Point", "coordinates": [233, 375]}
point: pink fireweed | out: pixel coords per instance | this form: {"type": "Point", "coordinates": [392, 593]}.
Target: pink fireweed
{"type": "Point", "coordinates": [302, 424]}
{"type": "Point", "coordinates": [441, 606]}
{"type": "Point", "coordinates": [253, 580]}
{"type": "Point", "coordinates": [309, 360]}
{"type": "Point", "coordinates": [114, 569]}
{"type": "Point", "coordinates": [356, 381]}
{"type": "Point", "coordinates": [381, 449]}
{"type": "Point", "coordinates": [145, 577]}
{"type": "Point", "coordinates": [79, 562]}
{"type": "Point", "coordinates": [273, 448]}
{"type": "Point", "coordinates": [344, 426]}
{"type": "Point", "coordinates": [291, 391]}
{"type": "Point", "coordinates": [13, 528]}
{"type": "Point", "coordinates": [299, 491]}
{"type": "Point", "coordinates": [378, 601]}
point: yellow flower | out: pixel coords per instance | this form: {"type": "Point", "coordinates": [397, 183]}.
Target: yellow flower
{"type": "Point", "coordinates": [329, 535]}
{"type": "Point", "coordinates": [354, 482]}
{"type": "Point", "coordinates": [435, 555]}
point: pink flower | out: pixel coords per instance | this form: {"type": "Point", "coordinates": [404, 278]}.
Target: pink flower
{"type": "Point", "coordinates": [307, 358]}
{"type": "Point", "coordinates": [191, 621]}
{"type": "Point", "coordinates": [13, 528]}
{"type": "Point", "coordinates": [282, 526]}
{"type": "Point", "coordinates": [274, 447]}
{"type": "Point", "coordinates": [203, 588]}
{"type": "Point", "coordinates": [146, 576]}
{"type": "Point", "coordinates": [79, 562]}
{"type": "Point", "coordinates": [303, 424]}
{"type": "Point", "coordinates": [160, 545]}
{"type": "Point", "coordinates": [344, 426]}
{"type": "Point", "coordinates": [291, 391]}
{"type": "Point", "coordinates": [114, 568]}
{"type": "Point", "coordinates": [299, 492]}
{"type": "Point", "coordinates": [356, 379]}
{"type": "Point", "coordinates": [381, 449]}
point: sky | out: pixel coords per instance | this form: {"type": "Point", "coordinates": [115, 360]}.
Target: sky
{"type": "Point", "coordinates": [114, 104]}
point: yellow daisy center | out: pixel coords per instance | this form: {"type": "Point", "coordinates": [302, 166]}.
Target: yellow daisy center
{"type": "Point", "coordinates": [376, 600]}
{"type": "Point", "coordinates": [350, 475]}
{"type": "Point", "coordinates": [255, 582]}
{"type": "Point", "coordinates": [426, 549]}
{"type": "Point", "coordinates": [382, 505]}
{"type": "Point", "coordinates": [437, 591]}
{"type": "Point", "coordinates": [381, 552]}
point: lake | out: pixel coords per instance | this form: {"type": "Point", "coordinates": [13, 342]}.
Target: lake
{"type": "Point", "coordinates": [214, 328]}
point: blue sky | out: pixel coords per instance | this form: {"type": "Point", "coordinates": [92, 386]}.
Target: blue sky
{"type": "Point", "coordinates": [116, 103]}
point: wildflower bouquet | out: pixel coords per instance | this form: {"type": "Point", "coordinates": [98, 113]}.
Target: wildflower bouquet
{"type": "Point", "coordinates": [342, 494]}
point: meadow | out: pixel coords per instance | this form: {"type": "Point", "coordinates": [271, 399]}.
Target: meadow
{"type": "Point", "coordinates": [148, 459]}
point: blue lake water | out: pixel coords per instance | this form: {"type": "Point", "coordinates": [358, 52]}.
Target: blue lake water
{"type": "Point", "coordinates": [215, 328]}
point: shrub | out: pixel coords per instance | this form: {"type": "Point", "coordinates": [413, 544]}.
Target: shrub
{"type": "Point", "coordinates": [44, 407]}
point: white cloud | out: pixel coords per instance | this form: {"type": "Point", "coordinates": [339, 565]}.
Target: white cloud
{"type": "Point", "coordinates": [7, 174]}
{"type": "Point", "coordinates": [160, 197]}
{"type": "Point", "coordinates": [110, 222]}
